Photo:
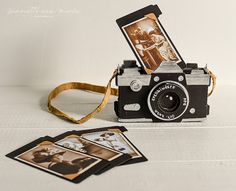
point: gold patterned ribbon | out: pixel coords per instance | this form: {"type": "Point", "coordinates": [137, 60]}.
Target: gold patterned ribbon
{"type": "Point", "coordinates": [213, 78]}
{"type": "Point", "coordinates": [107, 91]}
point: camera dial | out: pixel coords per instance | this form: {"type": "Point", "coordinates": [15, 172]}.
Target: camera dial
{"type": "Point", "coordinates": [168, 100]}
{"type": "Point", "coordinates": [136, 85]}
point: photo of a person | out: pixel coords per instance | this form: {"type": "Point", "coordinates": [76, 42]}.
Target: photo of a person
{"type": "Point", "coordinates": [113, 140]}
{"type": "Point", "coordinates": [59, 160]}
{"type": "Point", "coordinates": [163, 47]}
{"type": "Point", "coordinates": [80, 144]}
{"type": "Point", "coordinates": [150, 42]}
{"type": "Point", "coordinates": [73, 143]}
{"type": "Point", "coordinates": [110, 140]}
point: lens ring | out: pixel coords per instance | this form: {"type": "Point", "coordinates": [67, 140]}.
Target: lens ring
{"type": "Point", "coordinates": [172, 111]}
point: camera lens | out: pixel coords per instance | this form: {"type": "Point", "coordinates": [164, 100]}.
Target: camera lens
{"type": "Point", "coordinates": [168, 102]}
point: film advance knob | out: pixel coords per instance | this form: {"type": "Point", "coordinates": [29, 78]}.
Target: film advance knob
{"type": "Point", "coordinates": [136, 85]}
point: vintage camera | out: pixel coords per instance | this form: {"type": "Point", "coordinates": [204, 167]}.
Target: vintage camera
{"type": "Point", "coordinates": [169, 94]}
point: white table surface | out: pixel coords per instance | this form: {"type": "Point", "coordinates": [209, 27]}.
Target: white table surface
{"type": "Point", "coordinates": [187, 156]}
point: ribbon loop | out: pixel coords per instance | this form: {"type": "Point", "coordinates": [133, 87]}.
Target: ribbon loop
{"type": "Point", "coordinates": [108, 90]}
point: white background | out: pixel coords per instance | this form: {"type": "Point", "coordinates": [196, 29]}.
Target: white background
{"type": "Point", "coordinates": [41, 50]}
{"type": "Point", "coordinates": [86, 44]}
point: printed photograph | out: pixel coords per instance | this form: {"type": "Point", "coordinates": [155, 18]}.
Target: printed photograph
{"type": "Point", "coordinates": [150, 43]}
{"type": "Point", "coordinates": [60, 161]}
{"type": "Point", "coordinates": [113, 140]}
{"type": "Point", "coordinates": [80, 144]}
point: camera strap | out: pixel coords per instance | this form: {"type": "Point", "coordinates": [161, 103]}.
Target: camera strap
{"type": "Point", "coordinates": [213, 82]}
{"type": "Point", "coordinates": [107, 91]}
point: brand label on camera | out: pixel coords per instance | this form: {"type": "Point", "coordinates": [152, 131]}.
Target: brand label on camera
{"type": "Point", "coordinates": [160, 90]}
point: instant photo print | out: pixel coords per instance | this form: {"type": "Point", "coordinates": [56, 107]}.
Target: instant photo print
{"type": "Point", "coordinates": [65, 163]}
{"type": "Point", "coordinates": [113, 137]}
{"type": "Point", "coordinates": [75, 142]}
{"type": "Point", "coordinates": [148, 39]}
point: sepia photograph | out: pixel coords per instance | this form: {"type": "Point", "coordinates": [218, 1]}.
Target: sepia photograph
{"type": "Point", "coordinates": [58, 160]}
{"type": "Point", "coordinates": [80, 144]}
{"type": "Point", "coordinates": [150, 43]}
{"type": "Point", "coordinates": [113, 140]}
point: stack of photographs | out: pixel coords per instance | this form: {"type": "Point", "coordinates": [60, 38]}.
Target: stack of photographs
{"type": "Point", "coordinates": [75, 155]}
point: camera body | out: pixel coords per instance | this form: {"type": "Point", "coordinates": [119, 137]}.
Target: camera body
{"type": "Point", "coordinates": [169, 94]}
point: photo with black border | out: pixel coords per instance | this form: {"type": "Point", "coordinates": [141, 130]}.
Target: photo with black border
{"type": "Point", "coordinates": [148, 39]}
{"type": "Point", "coordinates": [65, 163]}
{"type": "Point", "coordinates": [118, 141]}
{"type": "Point", "coordinates": [75, 142]}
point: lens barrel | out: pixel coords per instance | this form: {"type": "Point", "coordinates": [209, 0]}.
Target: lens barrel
{"type": "Point", "coordinates": [168, 100]}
